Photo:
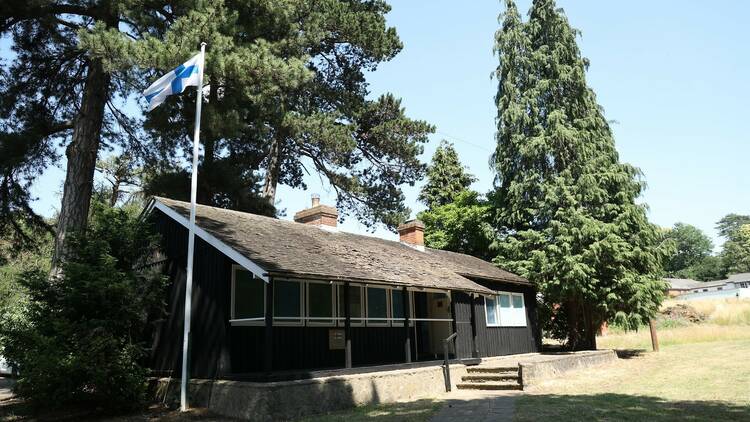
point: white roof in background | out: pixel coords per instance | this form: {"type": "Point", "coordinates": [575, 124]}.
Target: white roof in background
{"type": "Point", "coordinates": [739, 277]}
{"type": "Point", "coordinates": [683, 283]}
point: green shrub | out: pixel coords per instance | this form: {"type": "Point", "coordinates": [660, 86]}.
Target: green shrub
{"type": "Point", "coordinates": [81, 338]}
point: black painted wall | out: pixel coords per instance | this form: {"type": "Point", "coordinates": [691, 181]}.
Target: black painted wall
{"type": "Point", "coordinates": [495, 341]}
{"type": "Point", "coordinates": [219, 349]}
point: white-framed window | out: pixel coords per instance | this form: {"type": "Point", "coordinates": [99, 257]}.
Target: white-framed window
{"type": "Point", "coordinates": [506, 309]}
{"type": "Point", "coordinates": [321, 302]}
{"type": "Point", "coordinates": [397, 307]}
{"type": "Point", "coordinates": [356, 305]}
{"type": "Point", "coordinates": [377, 306]}
{"type": "Point", "coordinates": [287, 302]}
{"type": "Point", "coordinates": [490, 310]}
{"type": "Point", "coordinates": [248, 298]}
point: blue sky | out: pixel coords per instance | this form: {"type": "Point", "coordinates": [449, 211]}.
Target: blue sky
{"type": "Point", "coordinates": [672, 74]}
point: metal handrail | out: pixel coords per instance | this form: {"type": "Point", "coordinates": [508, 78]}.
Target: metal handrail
{"type": "Point", "coordinates": [447, 368]}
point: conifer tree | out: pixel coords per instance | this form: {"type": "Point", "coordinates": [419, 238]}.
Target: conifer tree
{"type": "Point", "coordinates": [458, 219]}
{"type": "Point", "coordinates": [446, 177]}
{"type": "Point", "coordinates": [259, 133]}
{"type": "Point", "coordinates": [567, 212]}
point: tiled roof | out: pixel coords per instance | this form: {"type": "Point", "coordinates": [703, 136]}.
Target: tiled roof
{"type": "Point", "coordinates": [288, 248]}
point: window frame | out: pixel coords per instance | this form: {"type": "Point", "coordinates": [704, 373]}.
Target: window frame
{"type": "Point", "coordinates": [246, 321]}
{"type": "Point", "coordinates": [486, 312]}
{"type": "Point", "coordinates": [277, 321]}
{"type": "Point", "coordinates": [356, 321]}
{"type": "Point", "coordinates": [315, 321]}
{"type": "Point", "coordinates": [498, 313]}
{"type": "Point", "coordinates": [379, 322]}
{"type": "Point", "coordinates": [397, 321]}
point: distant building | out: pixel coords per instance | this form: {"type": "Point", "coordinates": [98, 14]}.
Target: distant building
{"type": "Point", "coordinates": [736, 285]}
{"type": "Point", "coordinates": [681, 286]}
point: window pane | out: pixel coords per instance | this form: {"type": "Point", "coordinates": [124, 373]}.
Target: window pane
{"type": "Point", "coordinates": [320, 301]}
{"type": "Point", "coordinates": [397, 304]}
{"type": "Point", "coordinates": [517, 301]}
{"type": "Point", "coordinates": [355, 302]}
{"type": "Point", "coordinates": [286, 298]}
{"type": "Point", "coordinates": [490, 305]}
{"type": "Point", "coordinates": [248, 295]}
{"type": "Point", "coordinates": [377, 304]}
{"type": "Point", "coordinates": [505, 301]}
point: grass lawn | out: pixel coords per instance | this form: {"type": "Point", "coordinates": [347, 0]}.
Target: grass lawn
{"type": "Point", "coordinates": [694, 377]}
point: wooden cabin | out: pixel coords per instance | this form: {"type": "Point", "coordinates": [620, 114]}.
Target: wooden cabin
{"type": "Point", "coordinates": [275, 298]}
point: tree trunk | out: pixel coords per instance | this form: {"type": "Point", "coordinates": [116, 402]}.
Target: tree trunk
{"type": "Point", "coordinates": [81, 155]}
{"type": "Point", "coordinates": [272, 172]}
{"type": "Point", "coordinates": [115, 193]}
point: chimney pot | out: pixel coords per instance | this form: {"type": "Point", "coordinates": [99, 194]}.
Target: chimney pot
{"type": "Point", "coordinates": [412, 233]}
{"type": "Point", "coordinates": [318, 215]}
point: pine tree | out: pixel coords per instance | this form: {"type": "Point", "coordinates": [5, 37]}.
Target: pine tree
{"type": "Point", "coordinates": [59, 90]}
{"type": "Point", "coordinates": [260, 132]}
{"type": "Point", "coordinates": [458, 219]}
{"type": "Point", "coordinates": [566, 205]}
{"type": "Point", "coordinates": [446, 177]}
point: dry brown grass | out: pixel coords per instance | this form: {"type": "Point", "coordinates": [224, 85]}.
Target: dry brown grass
{"type": "Point", "coordinates": [680, 335]}
{"type": "Point", "coordinates": [729, 311]}
{"type": "Point", "coordinates": [696, 382]}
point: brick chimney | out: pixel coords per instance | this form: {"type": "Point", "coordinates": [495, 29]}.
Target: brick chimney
{"type": "Point", "coordinates": [411, 233]}
{"type": "Point", "coordinates": [318, 215]}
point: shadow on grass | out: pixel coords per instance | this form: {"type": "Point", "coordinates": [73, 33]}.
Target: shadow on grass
{"type": "Point", "coordinates": [621, 407]}
{"type": "Point", "coordinates": [630, 353]}
{"type": "Point", "coordinates": [414, 411]}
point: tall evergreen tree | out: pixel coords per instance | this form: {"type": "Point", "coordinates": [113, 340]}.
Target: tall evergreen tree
{"type": "Point", "coordinates": [458, 219]}
{"type": "Point", "coordinates": [317, 120]}
{"type": "Point", "coordinates": [446, 177]}
{"type": "Point", "coordinates": [567, 210]}
{"type": "Point", "coordinates": [288, 93]}
{"type": "Point", "coordinates": [58, 91]}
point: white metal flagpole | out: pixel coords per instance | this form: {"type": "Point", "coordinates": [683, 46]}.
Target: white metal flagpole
{"type": "Point", "coordinates": [191, 237]}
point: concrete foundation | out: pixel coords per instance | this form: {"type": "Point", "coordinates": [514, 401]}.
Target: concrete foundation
{"type": "Point", "coordinates": [539, 370]}
{"type": "Point", "coordinates": [274, 401]}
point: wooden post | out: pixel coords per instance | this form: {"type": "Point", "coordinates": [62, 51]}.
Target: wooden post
{"type": "Point", "coordinates": [654, 338]}
{"type": "Point", "coordinates": [268, 341]}
{"type": "Point", "coordinates": [347, 328]}
{"type": "Point", "coordinates": [407, 337]}
{"type": "Point", "coordinates": [474, 343]}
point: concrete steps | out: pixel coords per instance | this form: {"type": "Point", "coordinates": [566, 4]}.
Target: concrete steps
{"type": "Point", "coordinates": [491, 378]}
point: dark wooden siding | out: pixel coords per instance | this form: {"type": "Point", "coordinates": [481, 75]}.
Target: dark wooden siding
{"type": "Point", "coordinates": [219, 349]}
{"type": "Point", "coordinates": [495, 341]}
{"type": "Point", "coordinates": [209, 350]}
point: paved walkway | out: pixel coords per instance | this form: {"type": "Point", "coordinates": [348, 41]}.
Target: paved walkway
{"type": "Point", "coordinates": [5, 385]}
{"type": "Point", "coordinates": [478, 406]}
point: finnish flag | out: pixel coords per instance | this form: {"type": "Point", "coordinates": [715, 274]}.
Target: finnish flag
{"type": "Point", "coordinates": [174, 82]}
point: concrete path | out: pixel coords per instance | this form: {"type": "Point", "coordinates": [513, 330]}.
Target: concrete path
{"type": "Point", "coordinates": [5, 386]}
{"type": "Point", "coordinates": [478, 406]}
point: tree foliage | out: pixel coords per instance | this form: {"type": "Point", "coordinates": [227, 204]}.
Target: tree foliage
{"type": "Point", "coordinates": [288, 96]}
{"type": "Point", "coordinates": [463, 225]}
{"type": "Point", "coordinates": [730, 224]}
{"type": "Point", "coordinates": [446, 177]}
{"type": "Point", "coordinates": [736, 253]}
{"type": "Point", "coordinates": [567, 212]}
{"type": "Point", "coordinates": [81, 338]}
{"type": "Point", "coordinates": [692, 246]}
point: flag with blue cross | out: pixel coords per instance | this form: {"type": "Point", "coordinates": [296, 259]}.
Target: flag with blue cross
{"type": "Point", "coordinates": [174, 82]}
